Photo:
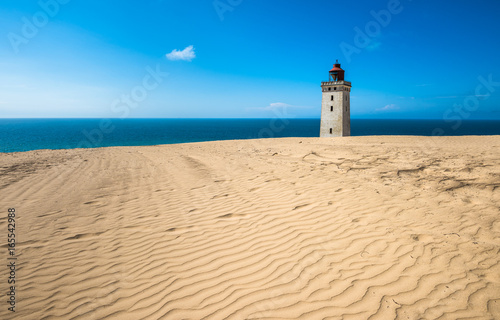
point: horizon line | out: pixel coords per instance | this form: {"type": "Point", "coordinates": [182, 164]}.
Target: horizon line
{"type": "Point", "coordinates": [226, 118]}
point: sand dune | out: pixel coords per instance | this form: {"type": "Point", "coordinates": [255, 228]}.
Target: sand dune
{"type": "Point", "coordinates": [345, 228]}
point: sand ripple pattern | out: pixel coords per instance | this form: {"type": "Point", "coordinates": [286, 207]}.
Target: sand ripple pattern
{"type": "Point", "coordinates": [352, 228]}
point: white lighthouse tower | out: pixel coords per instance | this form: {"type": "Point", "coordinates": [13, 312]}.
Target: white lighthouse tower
{"type": "Point", "coordinates": [336, 105]}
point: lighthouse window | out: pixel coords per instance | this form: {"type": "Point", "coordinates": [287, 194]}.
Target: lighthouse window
{"type": "Point", "coordinates": [331, 108]}
{"type": "Point", "coordinates": [331, 98]}
{"type": "Point", "coordinates": [334, 88]}
{"type": "Point", "coordinates": [345, 108]}
{"type": "Point", "coordinates": [331, 130]}
{"type": "Point", "coordinates": [329, 89]}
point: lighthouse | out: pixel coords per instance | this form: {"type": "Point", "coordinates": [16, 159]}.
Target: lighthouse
{"type": "Point", "coordinates": [336, 105]}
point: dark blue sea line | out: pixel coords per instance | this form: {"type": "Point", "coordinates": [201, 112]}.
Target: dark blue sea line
{"type": "Point", "coordinates": [32, 134]}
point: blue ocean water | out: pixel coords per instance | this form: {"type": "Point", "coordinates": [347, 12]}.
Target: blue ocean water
{"type": "Point", "coordinates": [32, 134]}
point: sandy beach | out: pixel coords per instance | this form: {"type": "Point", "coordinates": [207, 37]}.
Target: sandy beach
{"type": "Point", "coordinates": [297, 228]}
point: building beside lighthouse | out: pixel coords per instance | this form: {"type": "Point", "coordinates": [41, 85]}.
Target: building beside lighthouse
{"type": "Point", "coordinates": [336, 105]}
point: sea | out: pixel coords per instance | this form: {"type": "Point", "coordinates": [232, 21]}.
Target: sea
{"type": "Point", "coordinates": [18, 135]}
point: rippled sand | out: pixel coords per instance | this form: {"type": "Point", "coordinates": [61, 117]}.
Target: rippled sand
{"type": "Point", "coordinates": [346, 228]}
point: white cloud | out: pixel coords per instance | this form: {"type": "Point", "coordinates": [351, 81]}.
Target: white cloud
{"type": "Point", "coordinates": [447, 97]}
{"type": "Point", "coordinates": [186, 55]}
{"type": "Point", "coordinates": [388, 107]}
{"type": "Point", "coordinates": [375, 45]}
{"type": "Point", "coordinates": [278, 105]}
{"type": "Point", "coordinates": [274, 106]}
{"type": "Point", "coordinates": [463, 96]}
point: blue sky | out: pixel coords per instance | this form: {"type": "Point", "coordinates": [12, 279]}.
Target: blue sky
{"type": "Point", "coordinates": [248, 58]}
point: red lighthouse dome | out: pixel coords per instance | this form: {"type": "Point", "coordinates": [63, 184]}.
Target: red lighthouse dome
{"type": "Point", "coordinates": [337, 73]}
